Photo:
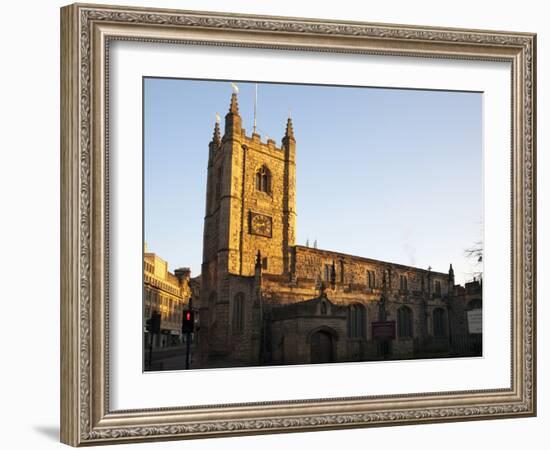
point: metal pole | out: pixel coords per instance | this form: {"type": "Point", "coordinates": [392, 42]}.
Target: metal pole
{"type": "Point", "coordinates": [188, 336]}
{"type": "Point", "coordinates": [151, 350]}
{"type": "Point", "coordinates": [188, 349]}
{"type": "Point", "coordinates": [255, 106]}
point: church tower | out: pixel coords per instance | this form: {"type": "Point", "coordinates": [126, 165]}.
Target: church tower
{"type": "Point", "coordinates": [250, 208]}
{"type": "Point", "coordinates": [250, 200]}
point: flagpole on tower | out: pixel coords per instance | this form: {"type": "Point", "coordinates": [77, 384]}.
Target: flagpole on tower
{"type": "Point", "coordinates": [255, 106]}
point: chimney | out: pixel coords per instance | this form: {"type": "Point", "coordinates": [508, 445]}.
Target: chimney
{"type": "Point", "coordinates": [183, 274]}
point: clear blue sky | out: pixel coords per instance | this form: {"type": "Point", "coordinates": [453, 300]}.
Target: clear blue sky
{"type": "Point", "coordinates": [389, 174]}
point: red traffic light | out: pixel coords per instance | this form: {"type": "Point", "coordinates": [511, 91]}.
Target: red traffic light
{"type": "Point", "coordinates": [188, 321]}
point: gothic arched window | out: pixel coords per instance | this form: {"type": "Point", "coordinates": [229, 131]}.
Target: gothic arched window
{"type": "Point", "coordinates": [403, 283]}
{"type": "Point", "coordinates": [238, 313]}
{"type": "Point", "coordinates": [356, 321]}
{"type": "Point", "coordinates": [371, 280]}
{"type": "Point", "coordinates": [404, 322]}
{"type": "Point", "coordinates": [386, 282]}
{"type": "Point", "coordinates": [263, 180]}
{"type": "Point", "coordinates": [439, 322]}
{"type": "Point", "coordinates": [437, 288]}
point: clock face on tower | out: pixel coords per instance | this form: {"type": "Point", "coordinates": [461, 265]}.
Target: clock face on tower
{"type": "Point", "coordinates": [260, 224]}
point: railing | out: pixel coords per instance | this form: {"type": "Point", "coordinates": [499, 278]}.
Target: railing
{"type": "Point", "coordinates": [467, 345]}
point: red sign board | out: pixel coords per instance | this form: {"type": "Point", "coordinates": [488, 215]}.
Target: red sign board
{"type": "Point", "coordinates": [383, 330]}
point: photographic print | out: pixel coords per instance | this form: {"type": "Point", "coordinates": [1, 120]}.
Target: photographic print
{"type": "Point", "coordinates": [301, 224]}
{"type": "Point", "coordinates": [300, 198]}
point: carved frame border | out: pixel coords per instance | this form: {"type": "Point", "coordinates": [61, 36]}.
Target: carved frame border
{"type": "Point", "coordinates": [86, 31]}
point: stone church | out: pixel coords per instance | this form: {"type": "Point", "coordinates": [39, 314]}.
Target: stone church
{"type": "Point", "coordinates": [266, 300]}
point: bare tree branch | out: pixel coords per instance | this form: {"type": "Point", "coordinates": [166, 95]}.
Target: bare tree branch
{"type": "Point", "coordinates": [475, 252]}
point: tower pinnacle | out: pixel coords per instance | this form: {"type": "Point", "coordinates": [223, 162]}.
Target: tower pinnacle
{"type": "Point", "coordinates": [232, 118]}
{"type": "Point", "coordinates": [289, 133]}
{"type": "Point", "coordinates": [234, 106]}
{"type": "Point", "coordinates": [451, 273]}
{"type": "Point", "coordinates": [217, 138]}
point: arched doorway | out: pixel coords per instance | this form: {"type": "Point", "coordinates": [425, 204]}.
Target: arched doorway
{"type": "Point", "coordinates": [323, 348]}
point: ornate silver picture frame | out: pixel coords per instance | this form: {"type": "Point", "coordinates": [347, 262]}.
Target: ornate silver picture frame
{"type": "Point", "coordinates": [87, 34]}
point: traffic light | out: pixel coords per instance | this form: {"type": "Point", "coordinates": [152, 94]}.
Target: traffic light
{"type": "Point", "coordinates": [153, 323]}
{"type": "Point", "coordinates": [188, 322]}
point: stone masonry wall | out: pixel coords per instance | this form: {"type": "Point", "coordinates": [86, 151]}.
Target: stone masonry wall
{"type": "Point", "coordinates": [310, 263]}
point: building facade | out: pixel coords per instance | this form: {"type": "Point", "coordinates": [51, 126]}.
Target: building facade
{"type": "Point", "coordinates": [266, 300]}
{"type": "Point", "coordinates": [168, 294]}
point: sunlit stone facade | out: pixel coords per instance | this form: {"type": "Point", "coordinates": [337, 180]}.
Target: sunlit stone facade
{"type": "Point", "coordinates": [266, 300]}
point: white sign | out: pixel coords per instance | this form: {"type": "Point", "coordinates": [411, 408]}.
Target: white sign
{"type": "Point", "coordinates": [474, 321]}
